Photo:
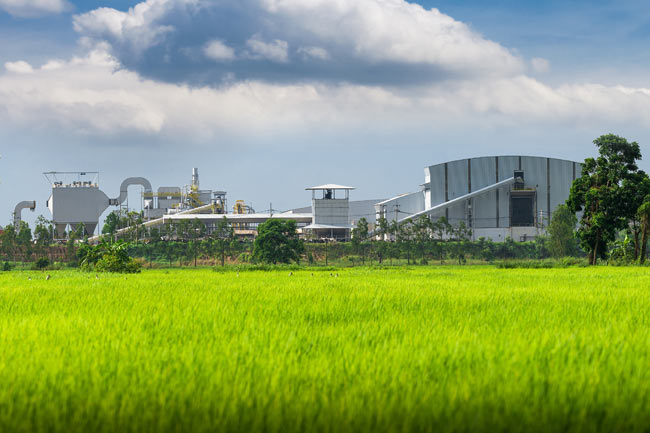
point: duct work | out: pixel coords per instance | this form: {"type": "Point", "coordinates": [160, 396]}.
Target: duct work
{"type": "Point", "coordinates": [124, 191]}
{"type": "Point", "coordinates": [31, 205]}
{"type": "Point", "coordinates": [81, 202]}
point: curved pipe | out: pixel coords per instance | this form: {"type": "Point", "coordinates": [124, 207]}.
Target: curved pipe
{"type": "Point", "coordinates": [124, 187]}
{"type": "Point", "coordinates": [31, 205]}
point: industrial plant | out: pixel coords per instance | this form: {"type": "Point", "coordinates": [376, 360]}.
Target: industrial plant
{"type": "Point", "coordinates": [497, 197]}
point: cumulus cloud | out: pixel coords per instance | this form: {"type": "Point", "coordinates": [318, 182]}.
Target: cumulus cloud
{"type": "Point", "coordinates": [365, 41]}
{"type": "Point", "coordinates": [94, 95]}
{"type": "Point", "coordinates": [314, 52]}
{"type": "Point", "coordinates": [19, 67]}
{"type": "Point", "coordinates": [198, 68]}
{"type": "Point", "coordinates": [217, 50]}
{"type": "Point", "coordinates": [275, 51]}
{"type": "Point", "coordinates": [34, 8]}
{"type": "Point", "coordinates": [540, 65]}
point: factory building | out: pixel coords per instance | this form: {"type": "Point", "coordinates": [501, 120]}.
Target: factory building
{"type": "Point", "coordinates": [496, 196]}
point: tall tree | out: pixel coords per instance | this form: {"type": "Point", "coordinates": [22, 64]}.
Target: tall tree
{"type": "Point", "coordinates": [644, 216]}
{"type": "Point", "coordinates": [111, 223]}
{"type": "Point", "coordinates": [24, 240]}
{"type": "Point", "coordinates": [8, 242]}
{"type": "Point", "coordinates": [599, 192]}
{"type": "Point", "coordinates": [360, 235]}
{"type": "Point", "coordinates": [561, 232]}
{"type": "Point", "coordinates": [222, 236]}
{"type": "Point", "coordinates": [277, 242]}
{"type": "Point", "coordinates": [634, 191]}
{"type": "Point", "coordinates": [422, 229]}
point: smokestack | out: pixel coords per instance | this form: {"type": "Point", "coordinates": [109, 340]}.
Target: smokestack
{"type": "Point", "coordinates": [195, 177]}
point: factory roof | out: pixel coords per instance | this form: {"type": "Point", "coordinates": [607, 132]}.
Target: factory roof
{"type": "Point", "coordinates": [329, 186]}
{"type": "Point", "coordinates": [326, 226]}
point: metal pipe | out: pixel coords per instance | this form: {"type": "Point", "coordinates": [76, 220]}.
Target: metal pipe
{"type": "Point", "coordinates": [31, 205]}
{"type": "Point", "coordinates": [124, 189]}
{"type": "Point", "coordinates": [457, 200]}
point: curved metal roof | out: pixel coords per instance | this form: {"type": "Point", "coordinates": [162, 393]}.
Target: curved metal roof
{"type": "Point", "coordinates": [329, 186]}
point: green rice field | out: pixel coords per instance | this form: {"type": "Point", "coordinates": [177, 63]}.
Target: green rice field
{"type": "Point", "coordinates": [431, 349]}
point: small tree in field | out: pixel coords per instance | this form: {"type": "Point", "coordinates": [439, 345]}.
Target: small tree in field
{"type": "Point", "coordinates": [223, 235]}
{"type": "Point", "coordinates": [561, 231]}
{"type": "Point", "coordinates": [360, 235]}
{"type": "Point", "coordinates": [277, 242]}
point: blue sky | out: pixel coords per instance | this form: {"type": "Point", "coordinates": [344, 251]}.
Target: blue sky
{"type": "Point", "coordinates": [267, 101]}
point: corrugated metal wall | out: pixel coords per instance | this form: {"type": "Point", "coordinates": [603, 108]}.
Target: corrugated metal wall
{"type": "Point", "coordinates": [484, 173]}
{"type": "Point", "coordinates": [550, 177]}
{"type": "Point", "coordinates": [561, 176]}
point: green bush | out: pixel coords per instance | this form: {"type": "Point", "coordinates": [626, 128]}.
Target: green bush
{"type": "Point", "coordinates": [108, 257]}
{"type": "Point", "coordinates": [42, 263]}
{"type": "Point", "coordinates": [565, 262]}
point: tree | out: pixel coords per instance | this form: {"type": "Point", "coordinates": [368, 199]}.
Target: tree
{"type": "Point", "coordinates": [111, 224]}
{"type": "Point", "coordinates": [43, 232]}
{"type": "Point", "coordinates": [107, 257]}
{"type": "Point", "coordinates": [421, 229]}
{"type": "Point", "coordinates": [223, 235]}
{"type": "Point", "coordinates": [360, 236]}
{"type": "Point", "coordinates": [8, 241]}
{"type": "Point", "coordinates": [599, 192]}
{"type": "Point", "coordinates": [644, 216]}
{"type": "Point", "coordinates": [24, 240]}
{"type": "Point", "coordinates": [442, 230]}
{"type": "Point", "coordinates": [382, 231]}
{"type": "Point", "coordinates": [404, 237]}
{"type": "Point", "coordinates": [561, 231]}
{"type": "Point", "coordinates": [461, 235]}
{"type": "Point", "coordinates": [277, 242]}
{"type": "Point", "coordinates": [635, 189]}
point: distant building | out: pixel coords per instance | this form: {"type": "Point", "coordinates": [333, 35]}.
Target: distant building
{"type": "Point", "coordinates": [496, 196]}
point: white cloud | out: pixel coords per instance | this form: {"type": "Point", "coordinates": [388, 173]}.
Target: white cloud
{"type": "Point", "coordinates": [93, 95]}
{"type": "Point", "coordinates": [364, 41]}
{"type": "Point", "coordinates": [34, 8]}
{"type": "Point", "coordinates": [217, 50]}
{"type": "Point", "coordinates": [314, 52]}
{"type": "Point", "coordinates": [111, 89]}
{"type": "Point", "coordinates": [136, 28]}
{"type": "Point", "coordinates": [275, 51]}
{"type": "Point", "coordinates": [540, 65]}
{"type": "Point", "coordinates": [19, 67]}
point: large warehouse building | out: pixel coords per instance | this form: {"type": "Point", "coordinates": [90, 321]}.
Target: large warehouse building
{"type": "Point", "coordinates": [496, 196]}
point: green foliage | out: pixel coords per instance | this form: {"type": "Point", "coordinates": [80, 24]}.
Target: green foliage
{"type": "Point", "coordinates": [223, 237]}
{"type": "Point", "coordinates": [622, 252]}
{"type": "Point", "coordinates": [471, 349]}
{"type": "Point", "coordinates": [643, 214]}
{"type": "Point", "coordinates": [564, 262]}
{"type": "Point", "coordinates": [277, 242]}
{"type": "Point", "coordinates": [6, 266]}
{"type": "Point", "coordinates": [111, 223]}
{"type": "Point", "coordinates": [42, 263]}
{"type": "Point", "coordinates": [360, 237]}
{"type": "Point", "coordinates": [600, 193]}
{"type": "Point", "coordinates": [107, 257]}
{"type": "Point", "coordinates": [561, 233]}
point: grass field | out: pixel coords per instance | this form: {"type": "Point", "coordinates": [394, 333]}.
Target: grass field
{"type": "Point", "coordinates": [428, 349]}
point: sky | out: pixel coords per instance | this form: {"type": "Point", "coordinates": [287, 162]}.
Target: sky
{"type": "Point", "coordinates": [267, 97]}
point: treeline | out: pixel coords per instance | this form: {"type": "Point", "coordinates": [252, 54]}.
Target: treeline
{"type": "Point", "coordinates": [611, 198]}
